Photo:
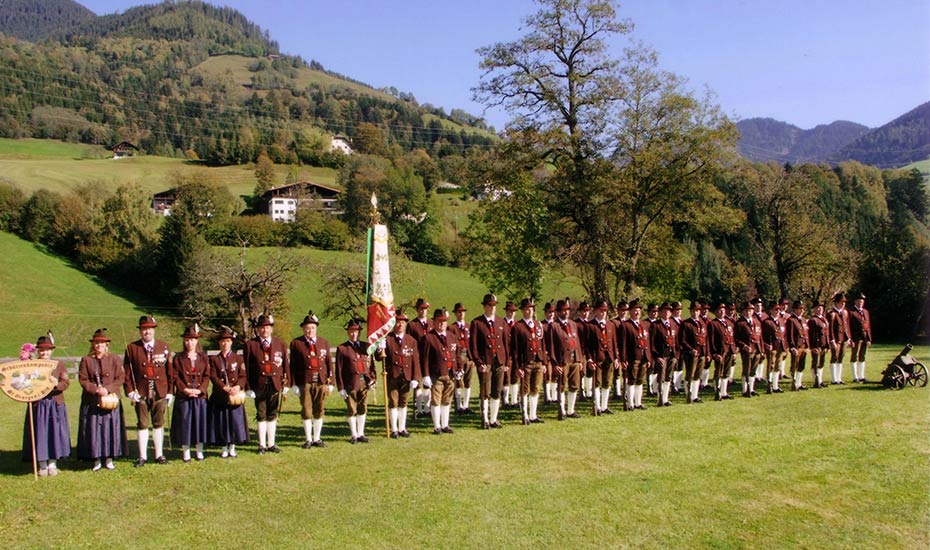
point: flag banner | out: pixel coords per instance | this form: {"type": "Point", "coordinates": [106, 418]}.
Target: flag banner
{"type": "Point", "coordinates": [381, 317]}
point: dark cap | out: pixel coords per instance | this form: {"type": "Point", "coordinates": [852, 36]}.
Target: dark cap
{"type": "Point", "coordinates": [265, 321]}
{"type": "Point", "coordinates": [839, 297]}
{"type": "Point", "coordinates": [676, 305]}
{"type": "Point", "coordinates": [527, 302]}
{"type": "Point", "coordinates": [440, 315]}
{"type": "Point", "coordinates": [100, 335]}
{"type": "Point", "coordinates": [634, 304]}
{"type": "Point", "coordinates": [601, 305]}
{"type": "Point", "coordinates": [548, 307]}
{"type": "Point", "coordinates": [147, 321]}
{"type": "Point", "coordinates": [510, 307]}
{"type": "Point", "coordinates": [622, 306]}
{"type": "Point", "coordinates": [489, 300]}
{"type": "Point", "coordinates": [695, 305]}
{"type": "Point", "coordinates": [562, 305]}
{"type": "Point", "coordinates": [46, 342]}
{"type": "Point", "coordinates": [399, 315]}
{"type": "Point", "coordinates": [665, 305]}
{"type": "Point", "coordinates": [226, 333]}
{"type": "Point", "coordinates": [310, 319]}
{"type": "Point", "coordinates": [459, 307]}
{"type": "Point", "coordinates": [653, 308]}
{"type": "Point", "coordinates": [191, 331]}
{"type": "Point", "coordinates": [354, 324]}
{"type": "Point", "coordinates": [797, 304]}
{"type": "Point", "coordinates": [421, 304]}
{"type": "Point", "coordinates": [756, 301]}
{"type": "Point", "coordinates": [859, 296]}
{"type": "Point", "coordinates": [583, 306]}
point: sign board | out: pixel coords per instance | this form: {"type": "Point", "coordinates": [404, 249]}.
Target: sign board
{"type": "Point", "coordinates": [29, 380]}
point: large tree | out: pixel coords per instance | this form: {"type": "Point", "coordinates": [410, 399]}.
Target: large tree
{"type": "Point", "coordinates": [627, 145]}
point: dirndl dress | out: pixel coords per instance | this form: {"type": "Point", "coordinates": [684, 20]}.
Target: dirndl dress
{"type": "Point", "coordinates": [189, 421]}
{"type": "Point", "coordinates": [101, 433]}
{"type": "Point", "coordinates": [53, 436]}
{"type": "Point", "coordinates": [227, 423]}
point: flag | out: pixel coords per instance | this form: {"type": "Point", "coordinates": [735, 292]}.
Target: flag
{"type": "Point", "coordinates": [381, 317]}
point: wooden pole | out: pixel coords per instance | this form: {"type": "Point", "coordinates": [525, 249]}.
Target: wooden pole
{"type": "Point", "coordinates": [32, 438]}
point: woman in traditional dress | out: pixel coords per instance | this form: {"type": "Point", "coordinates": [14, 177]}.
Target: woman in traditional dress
{"type": "Point", "coordinates": [101, 426]}
{"type": "Point", "coordinates": [190, 378]}
{"type": "Point", "coordinates": [226, 411]}
{"type": "Point", "coordinates": [50, 418]}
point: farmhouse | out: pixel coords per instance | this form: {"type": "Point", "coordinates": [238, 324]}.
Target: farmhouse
{"type": "Point", "coordinates": [123, 149]}
{"type": "Point", "coordinates": [340, 144]}
{"type": "Point", "coordinates": [282, 203]}
{"type": "Point", "coordinates": [163, 201]}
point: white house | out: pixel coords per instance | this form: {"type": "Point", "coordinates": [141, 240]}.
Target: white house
{"type": "Point", "coordinates": [341, 144]}
{"type": "Point", "coordinates": [281, 203]}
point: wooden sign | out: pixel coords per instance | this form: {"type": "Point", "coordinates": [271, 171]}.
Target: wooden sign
{"type": "Point", "coordinates": [29, 380]}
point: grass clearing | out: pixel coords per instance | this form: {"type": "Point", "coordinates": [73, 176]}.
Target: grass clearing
{"type": "Point", "coordinates": [843, 467]}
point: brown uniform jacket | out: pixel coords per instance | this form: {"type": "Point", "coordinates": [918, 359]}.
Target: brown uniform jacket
{"type": "Point", "coordinates": [187, 374]}
{"type": "Point", "coordinates": [796, 333]}
{"type": "Point", "coordinates": [693, 337]}
{"type": "Point", "coordinates": [487, 345]}
{"type": "Point", "coordinates": [528, 345]}
{"type": "Point", "coordinates": [601, 342]}
{"type": "Point", "coordinates": [306, 361]}
{"type": "Point", "coordinates": [860, 325]}
{"type": "Point", "coordinates": [633, 341]}
{"type": "Point", "coordinates": [773, 334]}
{"type": "Point", "coordinates": [663, 339]}
{"type": "Point", "coordinates": [262, 365]}
{"type": "Point", "coordinates": [354, 368]}
{"type": "Point", "coordinates": [720, 337]}
{"type": "Point", "coordinates": [61, 373]}
{"type": "Point", "coordinates": [227, 370]}
{"type": "Point", "coordinates": [839, 325]}
{"type": "Point", "coordinates": [401, 357]}
{"type": "Point", "coordinates": [139, 369]}
{"type": "Point", "coordinates": [417, 329]}
{"type": "Point", "coordinates": [818, 333]}
{"type": "Point", "coordinates": [93, 373]}
{"type": "Point", "coordinates": [437, 355]}
{"type": "Point", "coordinates": [564, 343]}
{"type": "Point", "coordinates": [748, 336]}
{"type": "Point", "coordinates": [462, 335]}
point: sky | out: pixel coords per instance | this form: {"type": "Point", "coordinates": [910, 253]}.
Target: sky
{"type": "Point", "coordinates": [805, 62]}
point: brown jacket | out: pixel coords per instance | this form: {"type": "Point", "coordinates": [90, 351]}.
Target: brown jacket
{"type": "Point", "coordinates": [633, 341]}
{"type": "Point", "coordinates": [565, 343]}
{"type": "Point", "coordinates": [260, 364]}
{"type": "Point", "coordinates": [401, 358]}
{"type": "Point", "coordinates": [140, 368]}
{"type": "Point", "coordinates": [187, 374]}
{"type": "Point", "coordinates": [796, 333]}
{"type": "Point", "coordinates": [228, 370]}
{"type": "Point", "coordinates": [818, 333]}
{"type": "Point", "coordinates": [664, 339]}
{"type": "Point", "coordinates": [528, 345]}
{"type": "Point", "coordinates": [94, 373]}
{"type": "Point", "coordinates": [860, 325]}
{"type": "Point", "coordinates": [304, 361]}
{"type": "Point", "coordinates": [487, 345]}
{"type": "Point", "coordinates": [351, 362]}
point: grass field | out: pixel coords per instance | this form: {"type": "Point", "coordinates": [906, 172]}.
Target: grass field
{"type": "Point", "coordinates": [844, 467]}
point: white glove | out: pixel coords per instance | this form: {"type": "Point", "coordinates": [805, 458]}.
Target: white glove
{"type": "Point", "coordinates": [285, 389]}
{"type": "Point", "coordinates": [331, 388]}
{"type": "Point", "coordinates": [250, 393]}
{"type": "Point", "coordinates": [169, 398]}
{"type": "Point", "coordinates": [414, 384]}
{"type": "Point", "coordinates": [344, 394]}
{"type": "Point", "coordinates": [427, 383]}
{"type": "Point", "coordinates": [296, 390]}
{"type": "Point", "coordinates": [134, 396]}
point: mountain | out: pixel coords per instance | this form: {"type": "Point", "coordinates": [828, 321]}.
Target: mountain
{"type": "Point", "coordinates": [765, 139]}
{"type": "Point", "coordinates": [200, 81]}
{"type": "Point", "coordinates": [902, 141]}
{"type": "Point", "coordinates": [38, 19]}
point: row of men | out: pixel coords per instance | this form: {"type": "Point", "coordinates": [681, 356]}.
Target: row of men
{"type": "Point", "coordinates": [512, 359]}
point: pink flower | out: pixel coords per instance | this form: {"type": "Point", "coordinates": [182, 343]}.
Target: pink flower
{"type": "Point", "coordinates": [26, 351]}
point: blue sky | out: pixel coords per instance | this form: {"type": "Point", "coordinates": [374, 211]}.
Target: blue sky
{"type": "Point", "coordinates": [804, 62]}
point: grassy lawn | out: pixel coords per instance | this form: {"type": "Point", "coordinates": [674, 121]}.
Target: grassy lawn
{"type": "Point", "coordinates": [843, 467]}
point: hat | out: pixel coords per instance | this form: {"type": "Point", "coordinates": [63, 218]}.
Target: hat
{"type": "Point", "coordinates": [839, 297]}
{"type": "Point", "coordinates": [756, 301]}
{"type": "Point", "coordinates": [720, 305]}
{"type": "Point", "coordinates": [601, 305]}
{"type": "Point", "coordinates": [797, 304]}
{"type": "Point", "coordinates": [634, 304]}
{"type": "Point", "coordinates": [695, 305]}
{"type": "Point", "coordinates": [527, 302]}
{"type": "Point", "coordinates": [510, 307]}
{"type": "Point", "coordinates": [859, 296]}
{"type": "Point", "coordinates": [192, 331]}
{"type": "Point", "coordinates": [818, 304]}
{"type": "Point", "coordinates": [100, 335]}
{"type": "Point", "coordinates": [265, 321]}
{"type": "Point", "coordinates": [621, 306]}
{"type": "Point", "coordinates": [489, 300]}
{"type": "Point", "coordinates": [226, 333]}
{"type": "Point", "coordinates": [354, 324]}
{"type": "Point", "coordinates": [731, 305]}
{"type": "Point", "coordinates": [440, 315]}
{"type": "Point", "coordinates": [583, 306]}
{"type": "Point", "coordinates": [562, 305]}
{"type": "Point", "coordinates": [773, 304]}
{"type": "Point", "coordinates": [676, 305]}
{"type": "Point", "coordinates": [147, 321]}
{"type": "Point", "coordinates": [459, 307]}
{"type": "Point", "coordinates": [310, 318]}
{"type": "Point", "coordinates": [784, 301]}
{"type": "Point", "coordinates": [745, 305]}
{"type": "Point", "coordinates": [45, 342]}
{"type": "Point", "coordinates": [665, 305]}
{"type": "Point", "coordinates": [653, 308]}
{"type": "Point", "coordinates": [421, 304]}
{"type": "Point", "coordinates": [548, 307]}
{"type": "Point", "coordinates": [399, 315]}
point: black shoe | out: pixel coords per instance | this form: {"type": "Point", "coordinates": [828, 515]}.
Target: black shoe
{"type": "Point", "coordinates": [726, 397]}
{"type": "Point", "coordinates": [697, 400]}
{"type": "Point", "coordinates": [261, 450]}
{"type": "Point", "coordinates": [841, 383]}
{"type": "Point", "coordinates": [778, 390]}
{"type": "Point", "coordinates": [802, 388]}
{"type": "Point", "coordinates": [140, 462]}
{"type": "Point", "coordinates": [640, 407]}
{"type": "Point", "coordinates": [403, 433]}
{"type": "Point", "coordinates": [308, 444]}
{"type": "Point", "coordinates": [161, 460]}
{"type": "Point", "coordinates": [485, 426]}
{"type": "Point", "coordinates": [573, 415]}
{"type": "Point", "coordinates": [395, 435]}
{"type": "Point", "coordinates": [459, 411]}
{"type": "Point", "coordinates": [186, 460]}
{"type": "Point", "coordinates": [747, 394]}
{"type": "Point", "coordinates": [769, 390]}
{"type": "Point", "coordinates": [318, 443]}
{"type": "Point", "coordinates": [496, 425]}
{"type": "Point", "coordinates": [274, 449]}
{"type": "Point", "coordinates": [561, 415]}
{"type": "Point", "coordinates": [447, 430]}
{"type": "Point", "coordinates": [717, 397]}
{"type": "Point", "coordinates": [362, 439]}
{"type": "Point", "coordinates": [437, 431]}
{"type": "Point", "coordinates": [607, 411]}
{"type": "Point", "coordinates": [525, 421]}
{"type": "Point", "coordinates": [466, 410]}
{"type": "Point", "coordinates": [753, 393]}
{"type": "Point", "coordinates": [667, 404]}
{"type": "Point", "coordinates": [536, 421]}
{"type": "Point", "coordinates": [353, 440]}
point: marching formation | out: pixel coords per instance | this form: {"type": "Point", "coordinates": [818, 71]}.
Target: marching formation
{"type": "Point", "coordinates": [592, 357]}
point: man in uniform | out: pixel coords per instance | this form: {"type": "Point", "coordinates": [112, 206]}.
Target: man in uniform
{"type": "Point", "coordinates": [818, 332]}
{"type": "Point", "coordinates": [677, 368]}
{"type": "Point", "coordinates": [437, 356]}
{"type": "Point", "coordinates": [748, 336]}
{"type": "Point", "coordinates": [860, 332]}
{"type": "Point", "coordinates": [581, 321]}
{"type": "Point", "coordinates": [459, 331]}
{"type": "Point", "coordinates": [796, 339]}
{"type": "Point", "coordinates": [663, 341]}
{"type": "Point", "coordinates": [732, 316]}
{"type": "Point", "coordinates": [511, 384]}
{"type": "Point", "coordinates": [355, 374]}
{"type": "Point", "coordinates": [312, 369]}
{"type": "Point", "coordinates": [487, 347]}
{"type": "Point", "coordinates": [552, 383]}
{"type": "Point", "coordinates": [401, 357]}
{"type": "Point", "coordinates": [652, 389]}
{"type": "Point", "coordinates": [602, 355]}
{"type": "Point", "coordinates": [838, 321]}
{"type": "Point", "coordinates": [565, 359]}
{"type": "Point", "coordinates": [620, 380]}
{"type": "Point", "coordinates": [268, 371]}
{"type": "Point", "coordinates": [529, 359]}
{"type": "Point", "coordinates": [693, 343]}
{"type": "Point", "coordinates": [784, 311]}
{"type": "Point", "coordinates": [633, 344]}
{"type": "Point", "coordinates": [720, 344]}
{"type": "Point", "coordinates": [418, 329]}
{"type": "Point", "coordinates": [148, 388]}
{"type": "Point", "coordinates": [773, 341]}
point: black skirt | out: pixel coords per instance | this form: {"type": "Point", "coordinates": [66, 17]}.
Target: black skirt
{"type": "Point", "coordinates": [189, 421]}
{"type": "Point", "coordinates": [101, 433]}
{"type": "Point", "coordinates": [227, 424]}
{"type": "Point", "coordinates": [53, 436]}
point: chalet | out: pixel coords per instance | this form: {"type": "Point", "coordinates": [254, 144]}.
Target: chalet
{"type": "Point", "coordinates": [163, 201]}
{"type": "Point", "coordinates": [123, 149]}
{"type": "Point", "coordinates": [282, 203]}
{"type": "Point", "coordinates": [341, 144]}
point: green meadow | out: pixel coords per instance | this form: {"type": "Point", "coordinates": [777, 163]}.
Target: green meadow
{"type": "Point", "coordinates": [842, 467]}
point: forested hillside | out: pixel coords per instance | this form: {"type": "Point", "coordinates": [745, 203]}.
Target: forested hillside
{"type": "Point", "coordinates": [38, 19]}
{"type": "Point", "coordinates": [904, 140]}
